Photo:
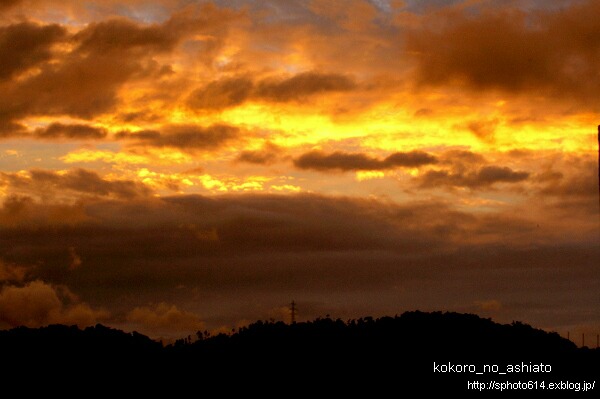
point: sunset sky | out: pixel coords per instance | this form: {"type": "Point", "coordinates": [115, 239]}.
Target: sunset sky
{"type": "Point", "coordinates": [170, 166]}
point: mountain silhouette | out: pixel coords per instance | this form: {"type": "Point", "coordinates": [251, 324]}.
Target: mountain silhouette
{"type": "Point", "coordinates": [446, 350]}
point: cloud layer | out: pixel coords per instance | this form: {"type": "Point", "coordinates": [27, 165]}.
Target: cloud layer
{"type": "Point", "coordinates": [214, 256]}
{"type": "Point", "coordinates": [171, 166]}
{"type": "Point", "coordinates": [232, 92]}
{"type": "Point", "coordinates": [353, 161]}
{"type": "Point", "coordinates": [544, 52]}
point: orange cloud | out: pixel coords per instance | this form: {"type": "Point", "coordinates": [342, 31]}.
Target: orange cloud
{"type": "Point", "coordinates": [265, 156]}
{"type": "Point", "coordinates": [483, 177]}
{"type": "Point", "coordinates": [142, 147]}
{"type": "Point", "coordinates": [84, 78]}
{"type": "Point", "coordinates": [164, 320]}
{"type": "Point", "coordinates": [37, 304]}
{"type": "Point", "coordinates": [231, 92]}
{"type": "Point", "coordinates": [43, 183]}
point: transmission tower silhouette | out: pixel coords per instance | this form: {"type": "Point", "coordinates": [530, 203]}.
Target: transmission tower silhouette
{"type": "Point", "coordinates": [293, 311]}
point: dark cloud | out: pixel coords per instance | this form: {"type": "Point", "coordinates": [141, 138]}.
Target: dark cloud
{"type": "Point", "coordinates": [463, 168]}
{"type": "Point", "coordinates": [82, 86]}
{"type": "Point", "coordinates": [84, 80]}
{"type": "Point", "coordinates": [125, 243]}
{"type": "Point", "coordinates": [81, 83]}
{"type": "Point", "coordinates": [343, 161]}
{"type": "Point", "coordinates": [230, 92]}
{"type": "Point", "coordinates": [492, 50]}
{"type": "Point", "coordinates": [578, 186]}
{"type": "Point", "coordinates": [76, 131]}
{"type": "Point", "coordinates": [411, 159]}
{"type": "Point", "coordinates": [120, 35]}
{"type": "Point", "coordinates": [180, 228]}
{"type": "Point", "coordinates": [221, 94]}
{"type": "Point", "coordinates": [123, 35]}
{"type": "Point", "coordinates": [26, 45]}
{"type": "Point", "coordinates": [462, 157]}
{"type": "Point", "coordinates": [233, 257]}
{"type": "Point", "coordinates": [550, 51]}
{"type": "Point", "coordinates": [24, 210]}
{"type": "Point", "coordinates": [265, 156]}
{"type": "Point", "coordinates": [493, 174]}
{"type": "Point", "coordinates": [580, 181]}
{"type": "Point", "coordinates": [569, 186]}
{"type": "Point", "coordinates": [46, 183]}
{"type": "Point", "coordinates": [141, 116]}
{"type": "Point", "coordinates": [10, 129]}
{"type": "Point", "coordinates": [484, 177]}
{"type": "Point", "coordinates": [186, 137]}
{"type": "Point", "coordinates": [302, 85]}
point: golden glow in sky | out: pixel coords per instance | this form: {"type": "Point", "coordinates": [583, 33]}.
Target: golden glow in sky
{"type": "Point", "coordinates": [402, 131]}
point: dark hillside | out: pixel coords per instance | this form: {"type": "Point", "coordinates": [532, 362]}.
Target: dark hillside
{"type": "Point", "coordinates": [447, 350]}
